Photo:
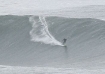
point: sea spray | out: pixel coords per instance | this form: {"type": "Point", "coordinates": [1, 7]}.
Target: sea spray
{"type": "Point", "coordinates": [40, 32]}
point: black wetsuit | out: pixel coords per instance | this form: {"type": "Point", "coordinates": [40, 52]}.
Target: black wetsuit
{"type": "Point", "coordinates": [64, 41]}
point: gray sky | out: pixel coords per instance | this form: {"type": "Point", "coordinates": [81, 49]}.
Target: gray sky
{"type": "Point", "coordinates": [18, 5]}
{"type": "Point", "coordinates": [47, 4]}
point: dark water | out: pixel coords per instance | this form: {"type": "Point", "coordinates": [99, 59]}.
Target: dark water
{"type": "Point", "coordinates": [85, 42]}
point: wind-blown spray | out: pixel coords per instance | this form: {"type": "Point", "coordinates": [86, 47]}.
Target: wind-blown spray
{"type": "Point", "coordinates": [40, 32]}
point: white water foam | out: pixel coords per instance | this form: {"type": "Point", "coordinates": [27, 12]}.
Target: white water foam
{"type": "Point", "coordinates": [47, 70]}
{"type": "Point", "coordinates": [40, 32]}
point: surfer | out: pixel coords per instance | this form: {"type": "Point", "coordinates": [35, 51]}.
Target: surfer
{"type": "Point", "coordinates": [64, 41]}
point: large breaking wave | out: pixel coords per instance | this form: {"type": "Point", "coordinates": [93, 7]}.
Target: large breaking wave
{"type": "Point", "coordinates": [85, 42]}
{"type": "Point", "coordinates": [40, 32]}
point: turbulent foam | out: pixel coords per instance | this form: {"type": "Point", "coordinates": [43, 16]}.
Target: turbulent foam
{"type": "Point", "coordinates": [40, 32]}
{"type": "Point", "coordinates": [47, 70]}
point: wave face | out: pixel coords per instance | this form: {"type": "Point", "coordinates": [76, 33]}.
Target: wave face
{"type": "Point", "coordinates": [85, 41]}
{"type": "Point", "coordinates": [40, 32]}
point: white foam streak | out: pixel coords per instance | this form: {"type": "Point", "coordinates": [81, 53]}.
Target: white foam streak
{"type": "Point", "coordinates": [40, 32]}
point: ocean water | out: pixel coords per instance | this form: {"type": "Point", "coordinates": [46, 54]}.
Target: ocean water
{"type": "Point", "coordinates": [33, 45]}
{"type": "Point", "coordinates": [47, 70]}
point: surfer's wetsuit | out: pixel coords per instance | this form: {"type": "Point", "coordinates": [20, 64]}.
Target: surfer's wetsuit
{"type": "Point", "coordinates": [64, 41]}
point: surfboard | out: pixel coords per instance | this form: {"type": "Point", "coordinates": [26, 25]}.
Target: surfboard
{"type": "Point", "coordinates": [63, 45]}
